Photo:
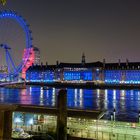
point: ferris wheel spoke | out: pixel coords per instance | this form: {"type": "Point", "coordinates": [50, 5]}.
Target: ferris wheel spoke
{"type": "Point", "coordinates": [13, 66]}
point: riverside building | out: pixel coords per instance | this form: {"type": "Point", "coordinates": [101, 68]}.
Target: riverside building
{"type": "Point", "coordinates": [97, 72]}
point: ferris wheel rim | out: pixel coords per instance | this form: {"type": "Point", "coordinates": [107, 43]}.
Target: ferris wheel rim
{"type": "Point", "coordinates": [28, 35]}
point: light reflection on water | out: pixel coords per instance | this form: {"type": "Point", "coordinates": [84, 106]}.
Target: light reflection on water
{"type": "Point", "coordinates": [126, 102]}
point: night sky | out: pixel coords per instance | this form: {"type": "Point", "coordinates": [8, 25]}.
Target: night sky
{"type": "Point", "coordinates": [63, 30]}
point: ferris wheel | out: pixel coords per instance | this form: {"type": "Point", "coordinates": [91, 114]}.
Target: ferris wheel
{"type": "Point", "coordinates": [15, 38]}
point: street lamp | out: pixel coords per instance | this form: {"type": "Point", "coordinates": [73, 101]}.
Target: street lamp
{"type": "Point", "coordinates": [139, 116]}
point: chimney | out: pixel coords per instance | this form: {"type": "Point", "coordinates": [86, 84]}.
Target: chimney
{"type": "Point", "coordinates": [46, 63]}
{"type": "Point", "coordinates": [104, 62]}
{"type": "Point", "coordinates": [83, 59]}
{"type": "Point", "coordinates": [127, 62]}
{"type": "Point", "coordinates": [41, 64]}
{"type": "Point", "coordinates": [119, 62]}
{"type": "Point", "coordinates": [57, 62]}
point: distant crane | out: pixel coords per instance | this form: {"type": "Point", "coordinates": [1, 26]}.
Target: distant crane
{"type": "Point", "coordinates": [9, 60]}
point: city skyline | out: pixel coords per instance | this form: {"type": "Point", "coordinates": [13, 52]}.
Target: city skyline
{"type": "Point", "coordinates": [64, 30]}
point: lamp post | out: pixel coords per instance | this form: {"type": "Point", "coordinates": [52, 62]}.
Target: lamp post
{"type": "Point", "coordinates": [139, 116]}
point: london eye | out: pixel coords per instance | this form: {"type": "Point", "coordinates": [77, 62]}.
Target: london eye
{"type": "Point", "coordinates": [15, 44]}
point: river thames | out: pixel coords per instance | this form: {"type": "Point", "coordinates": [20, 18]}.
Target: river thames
{"type": "Point", "coordinates": [126, 102]}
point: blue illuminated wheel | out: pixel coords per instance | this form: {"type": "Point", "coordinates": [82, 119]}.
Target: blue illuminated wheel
{"type": "Point", "coordinates": [15, 38]}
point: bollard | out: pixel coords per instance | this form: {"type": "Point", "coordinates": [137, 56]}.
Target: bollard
{"type": "Point", "coordinates": [111, 117]}
{"type": "Point", "coordinates": [62, 115]}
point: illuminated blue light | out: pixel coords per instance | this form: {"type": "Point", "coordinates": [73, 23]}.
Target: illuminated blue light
{"type": "Point", "coordinates": [87, 76]}
{"type": "Point", "coordinates": [39, 76]}
{"type": "Point", "coordinates": [115, 76]}
{"type": "Point", "coordinates": [78, 75]}
{"type": "Point", "coordinates": [48, 76]}
{"type": "Point", "coordinates": [112, 76]}
{"type": "Point", "coordinates": [72, 75]}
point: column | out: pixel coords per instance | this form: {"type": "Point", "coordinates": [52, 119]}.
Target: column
{"type": "Point", "coordinates": [62, 115]}
{"type": "Point", "coordinates": [5, 125]}
{"type": "Point", "coordinates": [1, 124]}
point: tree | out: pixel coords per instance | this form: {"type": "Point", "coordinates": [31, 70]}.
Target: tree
{"type": "Point", "coordinates": [3, 2]}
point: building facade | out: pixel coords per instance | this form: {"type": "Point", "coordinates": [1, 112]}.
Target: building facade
{"type": "Point", "coordinates": [100, 72]}
{"type": "Point", "coordinates": [66, 72]}
{"type": "Point", "coordinates": [119, 73]}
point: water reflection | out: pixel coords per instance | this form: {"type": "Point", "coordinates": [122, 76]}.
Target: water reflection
{"type": "Point", "coordinates": [41, 96]}
{"type": "Point", "coordinates": [114, 98]}
{"type": "Point", "coordinates": [78, 98]}
{"type": "Point", "coordinates": [126, 102]}
{"type": "Point", "coordinates": [25, 97]}
{"type": "Point", "coordinates": [53, 96]}
{"type": "Point", "coordinates": [106, 99]}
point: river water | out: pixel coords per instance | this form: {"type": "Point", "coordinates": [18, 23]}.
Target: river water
{"type": "Point", "coordinates": [125, 102]}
